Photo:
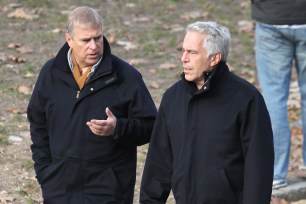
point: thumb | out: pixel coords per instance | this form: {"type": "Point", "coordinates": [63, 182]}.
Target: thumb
{"type": "Point", "coordinates": [109, 113]}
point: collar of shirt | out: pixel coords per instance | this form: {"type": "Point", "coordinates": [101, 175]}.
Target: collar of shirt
{"type": "Point", "coordinates": [93, 68]}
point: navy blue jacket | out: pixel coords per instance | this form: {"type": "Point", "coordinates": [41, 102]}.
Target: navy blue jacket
{"type": "Point", "coordinates": [72, 164]}
{"type": "Point", "coordinates": [210, 146]}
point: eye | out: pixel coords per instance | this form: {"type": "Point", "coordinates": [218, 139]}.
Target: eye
{"type": "Point", "coordinates": [85, 40]}
{"type": "Point", "coordinates": [97, 39]}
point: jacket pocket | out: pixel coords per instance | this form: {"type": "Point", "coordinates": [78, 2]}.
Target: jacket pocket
{"type": "Point", "coordinates": [216, 188]}
{"type": "Point", "coordinates": [52, 179]}
{"type": "Point", "coordinates": [103, 187]}
{"type": "Point", "coordinates": [50, 171]}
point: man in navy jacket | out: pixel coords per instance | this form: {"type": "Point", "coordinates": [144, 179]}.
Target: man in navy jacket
{"type": "Point", "coordinates": [212, 140]}
{"type": "Point", "coordinates": [88, 112]}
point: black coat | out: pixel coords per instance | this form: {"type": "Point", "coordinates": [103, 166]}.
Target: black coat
{"type": "Point", "coordinates": [212, 146]}
{"type": "Point", "coordinates": [72, 164]}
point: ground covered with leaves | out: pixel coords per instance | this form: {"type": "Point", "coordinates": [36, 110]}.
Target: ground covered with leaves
{"type": "Point", "coordinates": [147, 34]}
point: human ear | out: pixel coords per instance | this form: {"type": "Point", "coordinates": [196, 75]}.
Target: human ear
{"type": "Point", "coordinates": [215, 59]}
{"type": "Point", "coordinates": [68, 39]}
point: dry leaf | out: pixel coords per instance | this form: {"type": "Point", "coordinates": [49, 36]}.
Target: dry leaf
{"type": "Point", "coordinates": [127, 45]}
{"type": "Point", "coordinates": [56, 31]}
{"type": "Point", "coordinates": [293, 115]}
{"type": "Point", "coordinates": [22, 13]}
{"type": "Point", "coordinates": [167, 66]}
{"type": "Point", "coordinates": [4, 198]}
{"type": "Point", "coordinates": [130, 5]}
{"type": "Point", "coordinates": [112, 39]}
{"type": "Point", "coordinates": [16, 59]}
{"type": "Point", "coordinates": [17, 111]}
{"type": "Point", "coordinates": [29, 75]}
{"type": "Point", "coordinates": [13, 45]}
{"type": "Point", "coordinates": [154, 85]}
{"type": "Point", "coordinates": [25, 90]}
{"type": "Point", "coordinates": [138, 18]}
{"type": "Point", "coordinates": [152, 71]}
{"type": "Point", "coordinates": [296, 132]}
{"type": "Point", "coordinates": [136, 62]}
{"type": "Point", "coordinates": [24, 50]}
{"type": "Point", "coordinates": [195, 15]}
{"type": "Point", "coordinates": [275, 200]}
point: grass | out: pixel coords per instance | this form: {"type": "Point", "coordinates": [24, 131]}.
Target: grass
{"type": "Point", "coordinates": [27, 164]}
{"type": "Point", "coordinates": [37, 3]}
{"type": "Point", "coordinates": [4, 135]}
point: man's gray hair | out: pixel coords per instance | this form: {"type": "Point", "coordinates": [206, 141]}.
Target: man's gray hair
{"type": "Point", "coordinates": [84, 16]}
{"type": "Point", "coordinates": [218, 38]}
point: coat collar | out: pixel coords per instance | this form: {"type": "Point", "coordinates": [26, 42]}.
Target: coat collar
{"type": "Point", "coordinates": [211, 78]}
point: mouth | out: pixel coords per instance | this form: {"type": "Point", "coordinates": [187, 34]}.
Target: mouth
{"type": "Point", "coordinates": [186, 69]}
{"type": "Point", "coordinates": [93, 56]}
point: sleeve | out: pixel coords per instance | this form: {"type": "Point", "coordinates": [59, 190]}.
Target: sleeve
{"type": "Point", "coordinates": [39, 132]}
{"type": "Point", "coordinates": [156, 179]}
{"type": "Point", "coordinates": [257, 144]}
{"type": "Point", "coordinates": [137, 127]}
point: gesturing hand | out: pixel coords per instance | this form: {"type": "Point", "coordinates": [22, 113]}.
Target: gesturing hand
{"type": "Point", "coordinates": [103, 127]}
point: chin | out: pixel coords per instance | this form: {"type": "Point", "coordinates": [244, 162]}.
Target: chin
{"type": "Point", "coordinates": [188, 78]}
{"type": "Point", "coordinates": [92, 61]}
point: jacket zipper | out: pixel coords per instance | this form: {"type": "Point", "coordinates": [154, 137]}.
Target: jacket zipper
{"type": "Point", "coordinates": [98, 76]}
{"type": "Point", "coordinates": [78, 94]}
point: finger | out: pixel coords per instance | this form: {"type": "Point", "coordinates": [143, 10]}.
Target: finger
{"type": "Point", "coordinates": [97, 123]}
{"type": "Point", "coordinates": [109, 113]}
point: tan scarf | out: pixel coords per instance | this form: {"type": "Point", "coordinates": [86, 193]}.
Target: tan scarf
{"type": "Point", "coordinates": [77, 73]}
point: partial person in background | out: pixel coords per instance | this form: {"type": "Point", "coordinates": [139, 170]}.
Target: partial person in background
{"type": "Point", "coordinates": [212, 142]}
{"type": "Point", "coordinates": [88, 112]}
{"type": "Point", "coordinates": [280, 43]}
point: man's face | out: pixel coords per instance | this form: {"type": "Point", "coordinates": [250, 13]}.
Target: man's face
{"type": "Point", "coordinates": [194, 58]}
{"type": "Point", "coordinates": [86, 43]}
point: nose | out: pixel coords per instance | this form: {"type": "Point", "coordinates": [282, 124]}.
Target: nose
{"type": "Point", "coordinates": [92, 44]}
{"type": "Point", "coordinates": [184, 57]}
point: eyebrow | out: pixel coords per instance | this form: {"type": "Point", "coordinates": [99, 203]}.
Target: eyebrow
{"type": "Point", "coordinates": [189, 50]}
{"type": "Point", "coordinates": [88, 38]}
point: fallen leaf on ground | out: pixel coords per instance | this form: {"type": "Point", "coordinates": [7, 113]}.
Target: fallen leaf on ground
{"type": "Point", "coordinates": [5, 198]}
{"type": "Point", "coordinates": [25, 90]}
{"type": "Point", "coordinates": [112, 39]}
{"type": "Point", "coordinates": [24, 50]}
{"type": "Point", "coordinates": [195, 15]}
{"type": "Point", "coordinates": [167, 66]}
{"type": "Point", "coordinates": [127, 45]}
{"type": "Point", "coordinates": [56, 31]}
{"type": "Point", "coordinates": [154, 85]}
{"type": "Point", "coordinates": [14, 110]}
{"type": "Point", "coordinates": [275, 200]}
{"type": "Point", "coordinates": [136, 62]}
{"type": "Point", "coordinates": [22, 13]}
{"type": "Point", "coordinates": [13, 45]}
{"type": "Point", "coordinates": [16, 59]}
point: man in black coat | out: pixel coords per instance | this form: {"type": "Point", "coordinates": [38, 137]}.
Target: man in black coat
{"type": "Point", "coordinates": [212, 140]}
{"type": "Point", "coordinates": [88, 112]}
